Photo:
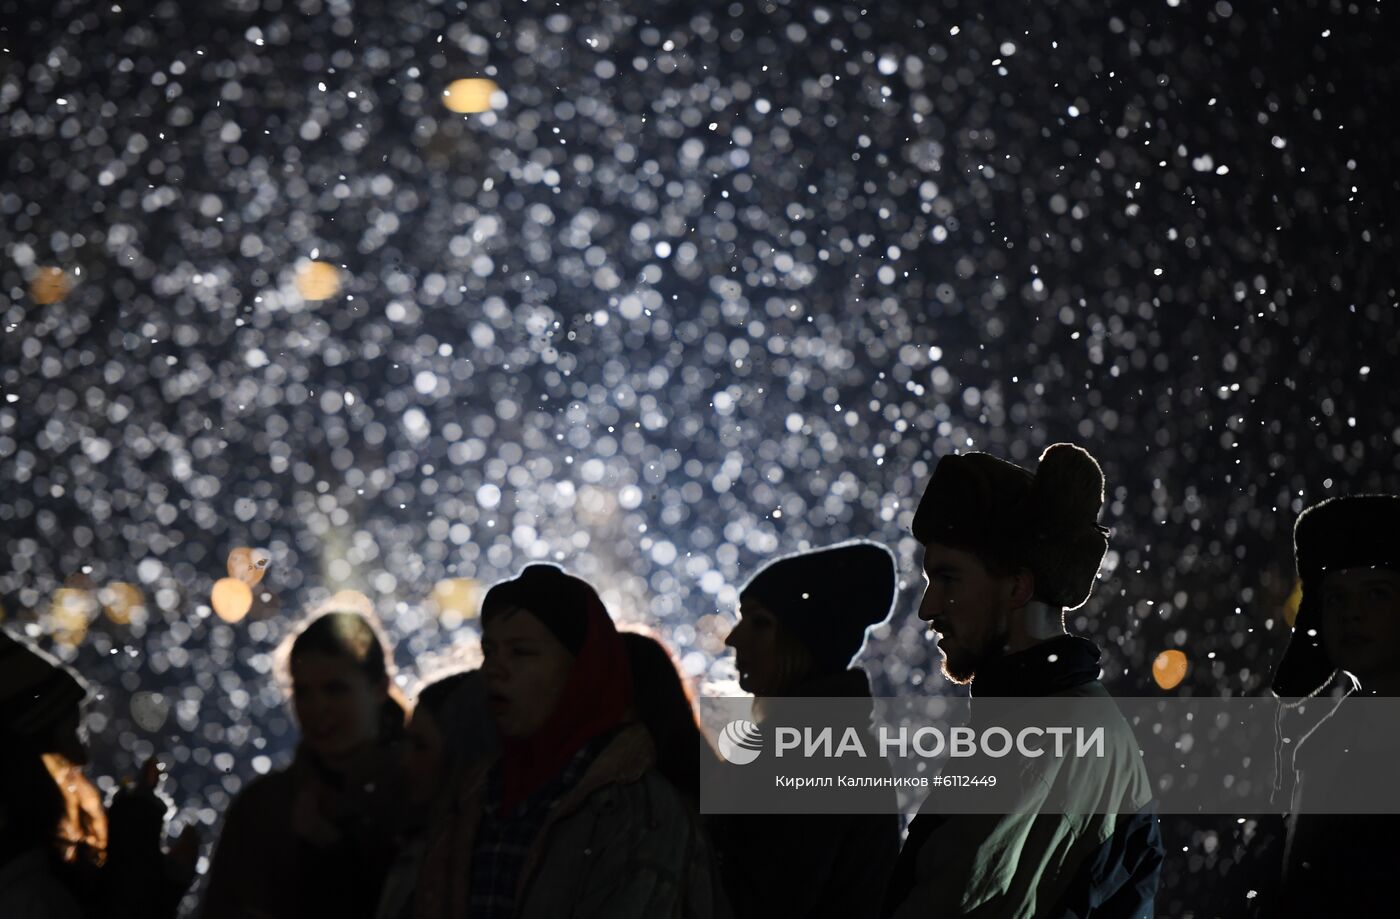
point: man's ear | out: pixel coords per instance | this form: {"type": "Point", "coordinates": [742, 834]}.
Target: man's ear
{"type": "Point", "coordinates": [1021, 588]}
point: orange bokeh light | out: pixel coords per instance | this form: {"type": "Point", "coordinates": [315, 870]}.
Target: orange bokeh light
{"type": "Point", "coordinates": [1169, 669]}
{"type": "Point", "coordinates": [318, 280]}
{"type": "Point", "coordinates": [49, 285]}
{"type": "Point", "coordinates": [468, 97]}
{"type": "Point", "coordinates": [231, 599]}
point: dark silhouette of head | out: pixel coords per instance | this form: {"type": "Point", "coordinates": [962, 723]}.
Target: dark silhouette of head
{"type": "Point", "coordinates": [663, 704]}
{"type": "Point", "coordinates": [341, 688]}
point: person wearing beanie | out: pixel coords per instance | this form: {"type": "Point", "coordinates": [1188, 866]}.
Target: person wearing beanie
{"type": "Point", "coordinates": [1347, 551]}
{"type": "Point", "coordinates": [572, 817]}
{"type": "Point", "coordinates": [803, 618]}
{"type": "Point", "coordinates": [1006, 552]}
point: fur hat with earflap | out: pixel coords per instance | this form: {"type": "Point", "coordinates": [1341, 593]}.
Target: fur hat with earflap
{"type": "Point", "coordinates": [1009, 517]}
{"type": "Point", "coordinates": [1351, 531]}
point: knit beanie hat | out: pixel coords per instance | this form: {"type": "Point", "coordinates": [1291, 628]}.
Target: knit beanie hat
{"type": "Point", "coordinates": [1354, 531]}
{"type": "Point", "coordinates": [1045, 521]}
{"type": "Point", "coordinates": [828, 597]}
{"type": "Point", "coordinates": [36, 691]}
{"type": "Point", "coordinates": [556, 598]}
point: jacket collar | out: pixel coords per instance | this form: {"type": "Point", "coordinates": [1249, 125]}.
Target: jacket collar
{"type": "Point", "coordinates": [1054, 665]}
{"type": "Point", "coordinates": [625, 759]}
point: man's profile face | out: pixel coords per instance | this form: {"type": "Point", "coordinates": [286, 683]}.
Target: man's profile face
{"type": "Point", "coordinates": [1361, 621]}
{"type": "Point", "coordinates": [968, 606]}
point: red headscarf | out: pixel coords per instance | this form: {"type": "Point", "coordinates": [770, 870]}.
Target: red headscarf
{"type": "Point", "coordinates": [594, 700]}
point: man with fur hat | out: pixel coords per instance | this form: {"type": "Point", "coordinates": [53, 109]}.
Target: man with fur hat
{"type": "Point", "coordinates": [1006, 553]}
{"type": "Point", "coordinates": [1348, 556]}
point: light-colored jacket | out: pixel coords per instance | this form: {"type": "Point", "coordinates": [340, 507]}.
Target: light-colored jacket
{"type": "Point", "coordinates": [620, 844]}
{"type": "Point", "coordinates": [1073, 815]}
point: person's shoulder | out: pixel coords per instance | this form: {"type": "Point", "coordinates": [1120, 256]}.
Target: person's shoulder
{"type": "Point", "coordinates": [28, 887]}
{"type": "Point", "coordinates": [647, 787]}
{"type": "Point", "coordinates": [267, 796]}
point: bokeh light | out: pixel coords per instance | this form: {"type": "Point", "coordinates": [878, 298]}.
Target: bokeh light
{"type": "Point", "coordinates": [1169, 669]}
{"type": "Point", "coordinates": [719, 282]}
{"type": "Point", "coordinates": [318, 280]}
{"type": "Point", "coordinates": [344, 601]}
{"type": "Point", "coordinates": [122, 602]}
{"type": "Point", "coordinates": [49, 285]}
{"type": "Point", "coordinates": [70, 613]}
{"type": "Point", "coordinates": [231, 599]}
{"type": "Point", "coordinates": [248, 565]}
{"type": "Point", "coordinates": [455, 600]}
{"type": "Point", "coordinates": [469, 96]}
{"type": "Point", "coordinates": [1295, 600]}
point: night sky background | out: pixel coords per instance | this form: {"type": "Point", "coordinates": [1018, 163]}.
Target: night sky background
{"type": "Point", "coordinates": [709, 283]}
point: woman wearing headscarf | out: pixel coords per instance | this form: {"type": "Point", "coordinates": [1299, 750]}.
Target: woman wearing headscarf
{"type": "Point", "coordinates": [572, 820]}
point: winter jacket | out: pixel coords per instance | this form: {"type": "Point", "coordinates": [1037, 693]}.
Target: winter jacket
{"type": "Point", "coordinates": [1082, 840]}
{"type": "Point", "coordinates": [811, 865]}
{"type": "Point", "coordinates": [1340, 864]}
{"type": "Point", "coordinates": [619, 844]}
{"type": "Point", "coordinates": [30, 888]}
{"type": "Point", "coordinates": [264, 868]}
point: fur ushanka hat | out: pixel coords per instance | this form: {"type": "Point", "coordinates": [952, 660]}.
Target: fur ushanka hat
{"type": "Point", "coordinates": [1045, 521]}
{"type": "Point", "coordinates": [1354, 531]}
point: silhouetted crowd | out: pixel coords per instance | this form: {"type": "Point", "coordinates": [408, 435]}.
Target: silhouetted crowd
{"type": "Point", "coordinates": [563, 778]}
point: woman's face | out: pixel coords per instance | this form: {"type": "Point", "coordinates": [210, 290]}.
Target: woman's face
{"type": "Point", "coordinates": [525, 668]}
{"type": "Point", "coordinates": [767, 660]}
{"type": "Point", "coordinates": [337, 705]}
{"type": "Point", "coordinates": [423, 757]}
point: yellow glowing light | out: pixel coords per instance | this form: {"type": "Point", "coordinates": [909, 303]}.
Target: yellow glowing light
{"type": "Point", "coordinates": [72, 610]}
{"type": "Point", "coordinates": [456, 599]}
{"type": "Point", "coordinates": [1290, 606]}
{"type": "Point", "coordinates": [121, 601]}
{"type": "Point", "coordinates": [49, 285]}
{"type": "Point", "coordinates": [248, 565]}
{"type": "Point", "coordinates": [318, 280]}
{"type": "Point", "coordinates": [231, 599]}
{"type": "Point", "coordinates": [346, 601]}
{"type": "Point", "coordinates": [467, 97]}
{"type": "Point", "coordinates": [1169, 669]}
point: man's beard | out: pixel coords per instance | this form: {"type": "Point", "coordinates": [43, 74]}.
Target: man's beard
{"type": "Point", "coordinates": [961, 665]}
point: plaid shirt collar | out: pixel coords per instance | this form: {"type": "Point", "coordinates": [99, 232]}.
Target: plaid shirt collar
{"type": "Point", "coordinates": [503, 841]}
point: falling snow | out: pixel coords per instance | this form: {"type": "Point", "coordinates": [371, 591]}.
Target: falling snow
{"type": "Point", "coordinates": [409, 294]}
